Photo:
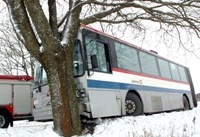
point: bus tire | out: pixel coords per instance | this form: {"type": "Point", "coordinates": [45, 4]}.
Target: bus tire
{"type": "Point", "coordinates": [4, 120]}
{"type": "Point", "coordinates": [133, 105]}
{"type": "Point", "coordinates": [186, 105]}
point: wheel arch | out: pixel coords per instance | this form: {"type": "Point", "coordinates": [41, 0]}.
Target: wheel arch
{"type": "Point", "coordinates": [186, 96]}
{"type": "Point", "coordinates": [7, 113]}
{"type": "Point", "coordinates": [136, 93]}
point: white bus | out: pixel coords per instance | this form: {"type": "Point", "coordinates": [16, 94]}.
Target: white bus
{"type": "Point", "coordinates": [116, 78]}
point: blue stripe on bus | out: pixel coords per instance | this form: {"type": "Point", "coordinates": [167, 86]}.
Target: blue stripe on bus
{"type": "Point", "coordinates": [126, 86]}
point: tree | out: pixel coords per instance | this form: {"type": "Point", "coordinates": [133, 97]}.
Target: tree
{"type": "Point", "coordinates": [50, 38]}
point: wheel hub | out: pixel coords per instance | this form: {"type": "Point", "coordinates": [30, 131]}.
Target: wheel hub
{"type": "Point", "coordinates": [130, 106]}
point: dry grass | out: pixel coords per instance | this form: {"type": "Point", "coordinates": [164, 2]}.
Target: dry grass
{"type": "Point", "coordinates": [185, 132]}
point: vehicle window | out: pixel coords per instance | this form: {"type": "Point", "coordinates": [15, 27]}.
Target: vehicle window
{"type": "Point", "coordinates": [164, 68]}
{"type": "Point", "coordinates": [148, 63]}
{"type": "Point", "coordinates": [174, 71]}
{"type": "Point", "coordinates": [182, 74]}
{"type": "Point", "coordinates": [127, 57]}
{"type": "Point", "coordinates": [93, 47]}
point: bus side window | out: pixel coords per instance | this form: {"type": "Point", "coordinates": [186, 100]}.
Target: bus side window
{"type": "Point", "coordinates": [127, 57]}
{"type": "Point", "coordinates": [182, 74]}
{"type": "Point", "coordinates": [174, 71]}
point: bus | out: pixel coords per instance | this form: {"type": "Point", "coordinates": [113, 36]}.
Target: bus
{"type": "Point", "coordinates": [116, 78]}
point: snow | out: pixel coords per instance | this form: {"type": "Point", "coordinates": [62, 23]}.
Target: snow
{"type": "Point", "coordinates": [29, 129]}
{"type": "Point", "coordinates": [173, 124]}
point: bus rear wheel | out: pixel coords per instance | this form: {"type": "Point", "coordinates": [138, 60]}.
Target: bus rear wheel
{"type": "Point", "coordinates": [133, 105]}
{"type": "Point", "coordinates": [4, 121]}
{"type": "Point", "coordinates": [186, 104]}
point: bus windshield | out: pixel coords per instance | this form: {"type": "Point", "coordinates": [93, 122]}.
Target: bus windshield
{"type": "Point", "coordinates": [40, 77]}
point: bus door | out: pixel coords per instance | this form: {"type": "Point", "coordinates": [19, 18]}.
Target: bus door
{"type": "Point", "coordinates": [104, 100]}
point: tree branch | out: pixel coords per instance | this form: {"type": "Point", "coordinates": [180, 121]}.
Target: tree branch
{"type": "Point", "coordinates": [78, 6]}
{"type": "Point", "coordinates": [71, 26]}
{"type": "Point", "coordinates": [53, 17]}
{"type": "Point", "coordinates": [21, 21]}
{"type": "Point", "coordinates": [155, 11]}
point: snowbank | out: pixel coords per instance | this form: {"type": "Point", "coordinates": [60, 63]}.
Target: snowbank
{"type": "Point", "coordinates": [174, 124]}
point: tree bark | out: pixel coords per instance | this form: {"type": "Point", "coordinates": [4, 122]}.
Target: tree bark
{"type": "Point", "coordinates": [63, 98]}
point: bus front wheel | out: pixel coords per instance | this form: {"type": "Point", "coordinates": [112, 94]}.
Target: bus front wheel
{"type": "Point", "coordinates": [133, 105]}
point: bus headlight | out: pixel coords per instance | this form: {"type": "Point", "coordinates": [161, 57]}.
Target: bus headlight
{"type": "Point", "coordinates": [80, 93]}
{"type": "Point", "coordinates": [83, 94]}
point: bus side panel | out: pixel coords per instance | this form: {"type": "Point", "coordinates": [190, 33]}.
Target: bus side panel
{"type": "Point", "coordinates": [156, 101]}
{"type": "Point", "coordinates": [104, 103]}
{"type": "Point", "coordinates": [176, 101]}
{"type": "Point", "coordinates": [107, 92]}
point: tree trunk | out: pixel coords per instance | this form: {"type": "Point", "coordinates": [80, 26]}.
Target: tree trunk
{"type": "Point", "coordinates": [62, 88]}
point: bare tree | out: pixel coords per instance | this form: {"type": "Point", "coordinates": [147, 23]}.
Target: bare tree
{"type": "Point", "coordinates": [15, 59]}
{"type": "Point", "coordinates": [55, 35]}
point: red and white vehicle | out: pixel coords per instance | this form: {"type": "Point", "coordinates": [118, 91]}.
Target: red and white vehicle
{"type": "Point", "coordinates": [15, 99]}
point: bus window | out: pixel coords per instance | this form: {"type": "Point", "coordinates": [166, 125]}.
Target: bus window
{"type": "Point", "coordinates": [127, 57]}
{"type": "Point", "coordinates": [182, 74]}
{"type": "Point", "coordinates": [148, 63]}
{"type": "Point", "coordinates": [100, 50]}
{"type": "Point", "coordinates": [164, 68]}
{"type": "Point", "coordinates": [174, 71]}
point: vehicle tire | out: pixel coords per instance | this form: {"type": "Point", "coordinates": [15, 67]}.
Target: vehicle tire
{"type": "Point", "coordinates": [186, 104]}
{"type": "Point", "coordinates": [133, 105]}
{"type": "Point", "coordinates": [4, 121]}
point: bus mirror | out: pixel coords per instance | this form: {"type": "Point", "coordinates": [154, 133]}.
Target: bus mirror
{"type": "Point", "coordinates": [94, 61]}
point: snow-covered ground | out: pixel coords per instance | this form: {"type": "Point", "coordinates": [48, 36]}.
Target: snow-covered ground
{"type": "Point", "coordinates": [174, 124]}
